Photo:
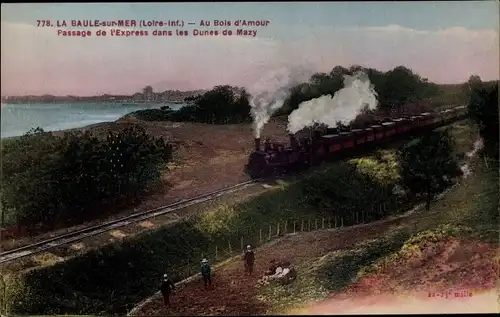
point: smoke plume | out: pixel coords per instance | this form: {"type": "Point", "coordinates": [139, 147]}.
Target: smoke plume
{"type": "Point", "coordinates": [344, 106]}
{"type": "Point", "coordinates": [269, 93]}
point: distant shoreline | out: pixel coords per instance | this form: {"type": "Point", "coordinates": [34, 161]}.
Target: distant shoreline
{"type": "Point", "coordinates": [95, 102]}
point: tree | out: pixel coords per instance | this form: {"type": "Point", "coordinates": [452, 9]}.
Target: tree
{"type": "Point", "coordinates": [428, 164]}
{"type": "Point", "coordinates": [474, 82]}
{"type": "Point", "coordinates": [221, 105]}
{"type": "Point", "coordinates": [483, 109]}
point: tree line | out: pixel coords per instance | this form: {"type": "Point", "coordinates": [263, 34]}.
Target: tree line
{"type": "Point", "coordinates": [228, 105]}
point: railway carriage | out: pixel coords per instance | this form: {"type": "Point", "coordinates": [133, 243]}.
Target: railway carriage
{"type": "Point", "coordinates": [325, 143]}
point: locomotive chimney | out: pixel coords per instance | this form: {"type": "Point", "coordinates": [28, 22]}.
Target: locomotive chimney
{"type": "Point", "coordinates": [257, 144]}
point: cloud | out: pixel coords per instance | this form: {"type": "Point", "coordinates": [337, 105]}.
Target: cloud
{"type": "Point", "coordinates": [36, 60]}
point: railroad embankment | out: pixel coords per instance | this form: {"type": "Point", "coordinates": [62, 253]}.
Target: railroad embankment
{"type": "Point", "coordinates": [442, 260]}
{"type": "Point", "coordinates": [448, 263]}
{"type": "Point", "coordinates": [113, 278]}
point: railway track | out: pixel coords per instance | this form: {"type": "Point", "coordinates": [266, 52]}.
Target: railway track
{"type": "Point", "coordinates": [78, 235]}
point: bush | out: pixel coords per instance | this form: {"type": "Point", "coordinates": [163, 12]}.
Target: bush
{"type": "Point", "coordinates": [428, 164]}
{"type": "Point", "coordinates": [73, 177]}
{"type": "Point", "coordinates": [364, 184]}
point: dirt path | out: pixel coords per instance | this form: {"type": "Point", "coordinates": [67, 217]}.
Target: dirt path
{"type": "Point", "coordinates": [233, 292]}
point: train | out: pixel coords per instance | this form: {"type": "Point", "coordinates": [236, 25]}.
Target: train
{"type": "Point", "coordinates": [315, 145]}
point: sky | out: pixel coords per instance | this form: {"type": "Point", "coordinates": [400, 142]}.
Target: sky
{"type": "Point", "coordinates": [445, 42]}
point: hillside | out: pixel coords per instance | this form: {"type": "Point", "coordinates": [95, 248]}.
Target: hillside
{"type": "Point", "coordinates": [383, 254]}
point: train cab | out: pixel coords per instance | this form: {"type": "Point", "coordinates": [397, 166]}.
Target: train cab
{"type": "Point", "coordinates": [359, 136]}
{"type": "Point", "coordinates": [378, 130]}
{"type": "Point", "coordinates": [332, 142]}
{"type": "Point", "coordinates": [347, 139]}
{"type": "Point", "coordinates": [390, 128]}
{"type": "Point", "coordinates": [370, 135]}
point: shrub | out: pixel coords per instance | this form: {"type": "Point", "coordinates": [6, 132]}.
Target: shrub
{"type": "Point", "coordinates": [48, 179]}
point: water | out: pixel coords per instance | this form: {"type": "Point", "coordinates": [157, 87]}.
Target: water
{"type": "Point", "coordinates": [17, 119]}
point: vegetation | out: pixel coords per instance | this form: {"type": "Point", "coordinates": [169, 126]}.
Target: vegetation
{"type": "Point", "coordinates": [51, 180]}
{"type": "Point", "coordinates": [221, 105]}
{"type": "Point", "coordinates": [483, 109]}
{"type": "Point", "coordinates": [128, 271]}
{"type": "Point", "coordinates": [469, 213]}
{"type": "Point", "coordinates": [395, 88]}
{"type": "Point", "coordinates": [428, 164]}
{"type": "Point", "coordinates": [330, 273]}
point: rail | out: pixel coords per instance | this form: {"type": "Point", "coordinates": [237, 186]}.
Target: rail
{"type": "Point", "coordinates": [78, 235]}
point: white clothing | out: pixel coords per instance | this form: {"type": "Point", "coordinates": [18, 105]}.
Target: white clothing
{"type": "Point", "coordinates": [285, 272]}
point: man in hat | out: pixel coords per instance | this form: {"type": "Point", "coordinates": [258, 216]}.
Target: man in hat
{"type": "Point", "coordinates": [249, 259]}
{"type": "Point", "coordinates": [206, 272]}
{"type": "Point", "coordinates": [167, 286]}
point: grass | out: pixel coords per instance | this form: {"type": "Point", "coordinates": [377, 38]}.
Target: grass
{"type": "Point", "coordinates": [470, 211]}
{"type": "Point", "coordinates": [332, 272]}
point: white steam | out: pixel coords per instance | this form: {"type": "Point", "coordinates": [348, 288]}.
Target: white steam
{"type": "Point", "coordinates": [344, 106]}
{"type": "Point", "coordinates": [269, 93]}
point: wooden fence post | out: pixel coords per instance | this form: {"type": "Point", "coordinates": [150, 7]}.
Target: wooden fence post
{"type": "Point", "coordinates": [242, 247]}
{"type": "Point", "coordinates": [323, 223]}
{"type": "Point", "coordinates": [335, 222]}
{"type": "Point", "coordinates": [330, 222]}
{"type": "Point", "coordinates": [286, 226]}
{"type": "Point", "coordinates": [316, 224]}
{"type": "Point", "coordinates": [294, 226]}
{"type": "Point", "coordinates": [342, 222]}
{"type": "Point", "coordinates": [302, 227]}
{"type": "Point", "coordinates": [270, 232]}
{"type": "Point", "coordinates": [230, 250]}
{"type": "Point", "coordinates": [309, 225]}
{"type": "Point", "coordinates": [278, 229]}
{"type": "Point", "coordinates": [260, 235]}
{"type": "Point", "coordinates": [216, 252]}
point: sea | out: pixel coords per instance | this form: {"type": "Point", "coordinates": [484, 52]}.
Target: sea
{"type": "Point", "coordinates": [17, 119]}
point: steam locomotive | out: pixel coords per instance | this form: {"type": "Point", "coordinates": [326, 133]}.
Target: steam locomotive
{"type": "Point", "coordinates": [322, 144]}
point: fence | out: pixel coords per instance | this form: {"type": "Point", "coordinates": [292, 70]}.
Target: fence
{"type": "Point", "coordinates": [228, 247]}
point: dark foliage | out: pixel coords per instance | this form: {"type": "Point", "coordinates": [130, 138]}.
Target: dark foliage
{"type": "Point", "coordinates": [49, 179]}
{"type": "Point", "coordinates": [395, 88]}
{"type": "Point", "coordinates": [483, 109]}
{"type": "Point", "coordinates": [428, 164]}
{"type": "Point", "coordinates": [221, 105]}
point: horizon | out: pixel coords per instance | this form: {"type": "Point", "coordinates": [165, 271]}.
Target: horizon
{"type": "Point", "coordinates": [445, 42]}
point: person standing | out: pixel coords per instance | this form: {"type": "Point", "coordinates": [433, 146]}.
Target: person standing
{"type": "Point", "coordinates": [249, 259]}
{"type": "Point", "coordinates": [166, 288]}
{"type": "Point", "coordinates": [206, 273]}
